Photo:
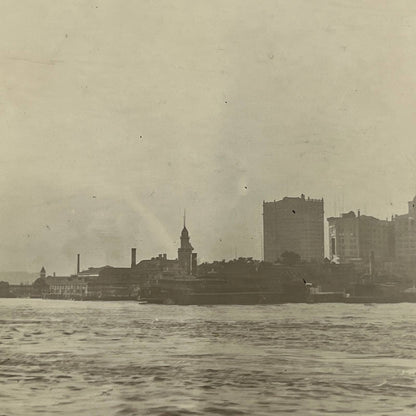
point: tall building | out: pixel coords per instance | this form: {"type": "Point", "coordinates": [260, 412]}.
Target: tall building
{"type": "Point", "coordinates": [405, 236]}
{"type": "Point", "coordinates": [354, 238]}
{"type": "Point", "coordinates": [186, 258]}
{"type": "Point", "coordinates": [294, 224]}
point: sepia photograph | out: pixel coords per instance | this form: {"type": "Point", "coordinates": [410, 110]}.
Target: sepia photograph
{"type": "Point", "coordinates": [208, 207]}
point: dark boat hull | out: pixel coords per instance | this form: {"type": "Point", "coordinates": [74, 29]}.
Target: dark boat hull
{"type": "Point", "coordinates": [226, 298]}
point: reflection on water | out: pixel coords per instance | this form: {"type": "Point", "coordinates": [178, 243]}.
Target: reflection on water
{"type": "Point", "coordinates": [125, 358]}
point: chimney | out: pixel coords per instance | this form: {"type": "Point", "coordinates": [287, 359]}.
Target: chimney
{"type": "Point", "coordinates": [78, 263]}
{"type": "Point", "coordinates": [133, 257]}
{"type": "Point", "coordinates": [358, 213]}
{"type": "Point", "coordinates": [165, 256]}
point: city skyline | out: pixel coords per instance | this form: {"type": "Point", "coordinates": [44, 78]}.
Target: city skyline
{"type": "Point", "coordinates": [87, 264]}
{"type": "Point", "coordinates": [115, 119]}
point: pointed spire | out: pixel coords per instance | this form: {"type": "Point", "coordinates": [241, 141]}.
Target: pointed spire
{"type": "Point", "coordinates": [184, 233]}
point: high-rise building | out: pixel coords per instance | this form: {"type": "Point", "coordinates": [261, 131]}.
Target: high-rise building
{"type": "Point", "coordinates": [405, 236]}
{"type": "Point", "coordinates": [294, 224]}
{"type": "Point", "coordinates": [356, 238]}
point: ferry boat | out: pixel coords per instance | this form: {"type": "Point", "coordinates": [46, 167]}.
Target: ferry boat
{"type": "Point", "coordinates": [222, 291]}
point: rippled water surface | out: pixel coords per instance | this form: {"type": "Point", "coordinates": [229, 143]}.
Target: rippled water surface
{"type": "Point", "coordinates": [125, 358]}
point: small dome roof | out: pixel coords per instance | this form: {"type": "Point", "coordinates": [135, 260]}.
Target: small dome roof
{"type": "Point", "coordinates": [184, 232]}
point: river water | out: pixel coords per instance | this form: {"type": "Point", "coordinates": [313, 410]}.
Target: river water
{"type": "Point", "coordinates": [126, 358]}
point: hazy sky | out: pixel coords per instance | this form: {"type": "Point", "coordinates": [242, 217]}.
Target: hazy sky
{"type": "Point", "coordinates": [117, 115]}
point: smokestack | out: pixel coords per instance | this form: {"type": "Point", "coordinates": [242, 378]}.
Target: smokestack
{"type": "Point", "coordinates": [78, 263]}
{"type": "Point", "coordinates": [133, 257]}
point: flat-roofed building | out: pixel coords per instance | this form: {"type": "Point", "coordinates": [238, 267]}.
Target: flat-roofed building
{"type": "Point", "coordinates": [355, 238]}
{"type": "Point", "coordinates": [294, 224]}
{"type": "Point", "coordinates": [405, 236]}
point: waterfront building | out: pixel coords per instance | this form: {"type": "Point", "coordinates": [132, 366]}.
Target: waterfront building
{"type": "Point", "coordinates": [75, 286]}
{"type": "Point", "coordinates": [186, 258]}
{"type": "Point", "coordinates": [159, 263]}
{"type": "Point", "coordinates": [405, 236]}
{"type": "Point", "coordinates": [67, 287]}
{"type": "Point", "coordinates": [360, 238]}
{"type": "Point", "coordinates": [160, 266]}
{"type": "Point", "coordinates": [113, 283]}
{"type": "Point", "coordinates": [24, 291]}
{"type": "Point", "coordinates": [294, 224]}
{"type": "Point", "coordinates": [109, 282]}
